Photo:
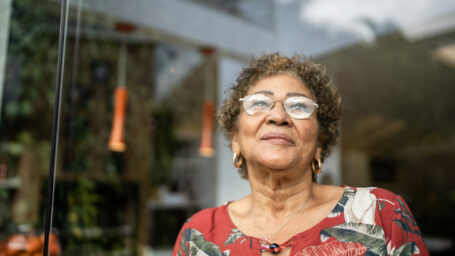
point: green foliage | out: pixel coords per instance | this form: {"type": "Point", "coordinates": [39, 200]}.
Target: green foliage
{"type": "Point", "coordinates": [165, 144]}
{"type": "Point", "coordinates": [29, 86]}
{"type": "Point", "coordinates": [82, 215]}
{"type": "Point", "coordinates": [31, 65]}
{"type": "Point", "coordinates": [82, 206]}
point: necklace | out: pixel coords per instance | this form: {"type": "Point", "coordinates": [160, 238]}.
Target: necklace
{"type": "Point", "coordinates": [274, 247]}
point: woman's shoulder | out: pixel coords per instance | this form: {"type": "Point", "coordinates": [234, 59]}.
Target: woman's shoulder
{"type": "Point", "coordinates": [369, 205]}
{"type": "Point", "coordinates": [208, 226]}
{"type": "Point", "coordinates": [215, 218]}
{"type": "Point", "coordinates": [360, 194]}
{"type": "Point", "coordinates": [377, 214]}
{"type": "Point", "coordinates": [207, 217]}
{"type": "Point", "coordinates": [371, 193]}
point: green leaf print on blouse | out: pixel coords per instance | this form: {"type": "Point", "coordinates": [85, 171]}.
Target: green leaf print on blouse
{"type": "Point", "coordinates": [405, 250]}
{"type": "Point", "coordinates": [198, 245]}
{"type": "Point", "coordinates": [339, 207]}
{"type": "Point", "coordinates": [183, 246]}
{"type": "Point", "coordinates": [407, 221]}
{"type": "Point", "coordinates": [357, 205]}
{"type": "Point", "coordinates": [372, 237]}
{"type": "Point", "coordinates": [234, 236]}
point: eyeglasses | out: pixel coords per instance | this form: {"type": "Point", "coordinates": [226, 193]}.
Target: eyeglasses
{"type": "Point", "coordinates": [298, 107]}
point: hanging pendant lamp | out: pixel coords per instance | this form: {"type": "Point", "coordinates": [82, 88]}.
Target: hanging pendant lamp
{"type": "Point", "coordinates": [206, 147]}
{"type": "Point", "coordinates": [116, 142]}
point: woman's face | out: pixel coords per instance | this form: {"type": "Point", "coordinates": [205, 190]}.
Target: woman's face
{"type": "Point", "coordinates": [275, 140]}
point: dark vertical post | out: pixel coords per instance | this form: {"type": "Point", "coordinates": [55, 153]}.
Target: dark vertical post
{"type": "Point", "coordinates": [56, 123]}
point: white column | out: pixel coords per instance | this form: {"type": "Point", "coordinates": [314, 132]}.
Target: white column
{"type": "Point", "coordinates": [331, 168]}
{"type": "Point", "coordinates": [5, 9]}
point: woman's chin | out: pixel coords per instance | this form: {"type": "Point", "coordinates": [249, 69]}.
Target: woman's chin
{"type": "Point", "coordinates": [278, 164]}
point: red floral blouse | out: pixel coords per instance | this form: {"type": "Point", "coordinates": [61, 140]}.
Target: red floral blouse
{"type": "Point", "coordinates": [365, 221]}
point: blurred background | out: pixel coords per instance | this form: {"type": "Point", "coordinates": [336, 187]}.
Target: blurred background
{"type": "Point", "coordinates": [139, 150]}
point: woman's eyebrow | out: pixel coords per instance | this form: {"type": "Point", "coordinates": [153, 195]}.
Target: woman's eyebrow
{"type": "Point", "coordinates": [264, 92]}
{"type": "Point", "coordinates": [290, 94]}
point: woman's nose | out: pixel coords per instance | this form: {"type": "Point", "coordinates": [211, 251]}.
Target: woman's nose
{"type": "Point", "coordinates": [278, 115]}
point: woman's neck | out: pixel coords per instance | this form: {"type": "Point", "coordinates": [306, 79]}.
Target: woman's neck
{"type": "Point", "coordinates": [277, 194]}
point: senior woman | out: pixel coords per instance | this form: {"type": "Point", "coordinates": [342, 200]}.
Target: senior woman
{"type": "Point", "coordinates": [281, 118]}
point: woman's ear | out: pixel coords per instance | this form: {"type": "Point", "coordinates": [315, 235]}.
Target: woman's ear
{"type": "Point", "coordinates": [318, 153]}
{"type": "Point", "coordinates": [235, 143]}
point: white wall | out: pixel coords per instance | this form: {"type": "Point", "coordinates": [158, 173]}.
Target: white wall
{"type": "Point", "coordinates": [331, 168]}
{"type": "Point", "coordinates": [229, 184]}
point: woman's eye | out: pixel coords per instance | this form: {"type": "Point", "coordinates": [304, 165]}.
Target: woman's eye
{"type": "Point", "coordinates": [299, 106]}
{"type": "Point", "coordinates": [259, 103]}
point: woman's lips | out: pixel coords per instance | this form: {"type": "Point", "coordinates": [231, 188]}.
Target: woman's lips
{"type": "Point", "coordinates": [277, 138]}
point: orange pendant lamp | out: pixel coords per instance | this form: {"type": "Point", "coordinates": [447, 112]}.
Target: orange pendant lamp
{"type": "Point", "coordinates": [206, 147]}
{"type": "Point", "coordinates": [116, 142]}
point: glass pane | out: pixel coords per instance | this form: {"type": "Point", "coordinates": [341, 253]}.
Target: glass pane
{"type": "Point", "coordinates": [139, 151]}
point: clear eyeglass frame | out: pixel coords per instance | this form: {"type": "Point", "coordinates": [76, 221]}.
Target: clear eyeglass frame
{"type": "Point", "coordinates": [258, 103]}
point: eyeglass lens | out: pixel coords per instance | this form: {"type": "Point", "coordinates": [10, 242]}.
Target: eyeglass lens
{"type": "Point", "coordinates": [297, 107]}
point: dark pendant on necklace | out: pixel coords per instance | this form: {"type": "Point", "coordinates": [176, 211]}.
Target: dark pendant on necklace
{"type": "Point", "coordinates": [274, 248]}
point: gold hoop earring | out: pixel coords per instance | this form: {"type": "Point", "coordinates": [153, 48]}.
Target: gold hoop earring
{"type": "Point", "coordinates": [316, 169]}
{"type": "Point", "coordinates": [237, 160]}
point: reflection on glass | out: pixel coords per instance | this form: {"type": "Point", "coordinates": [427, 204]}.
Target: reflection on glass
{"type": "Point", "coordinates": [398, 124]}
{"type": "Point", "coordinates": [106, 201]}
